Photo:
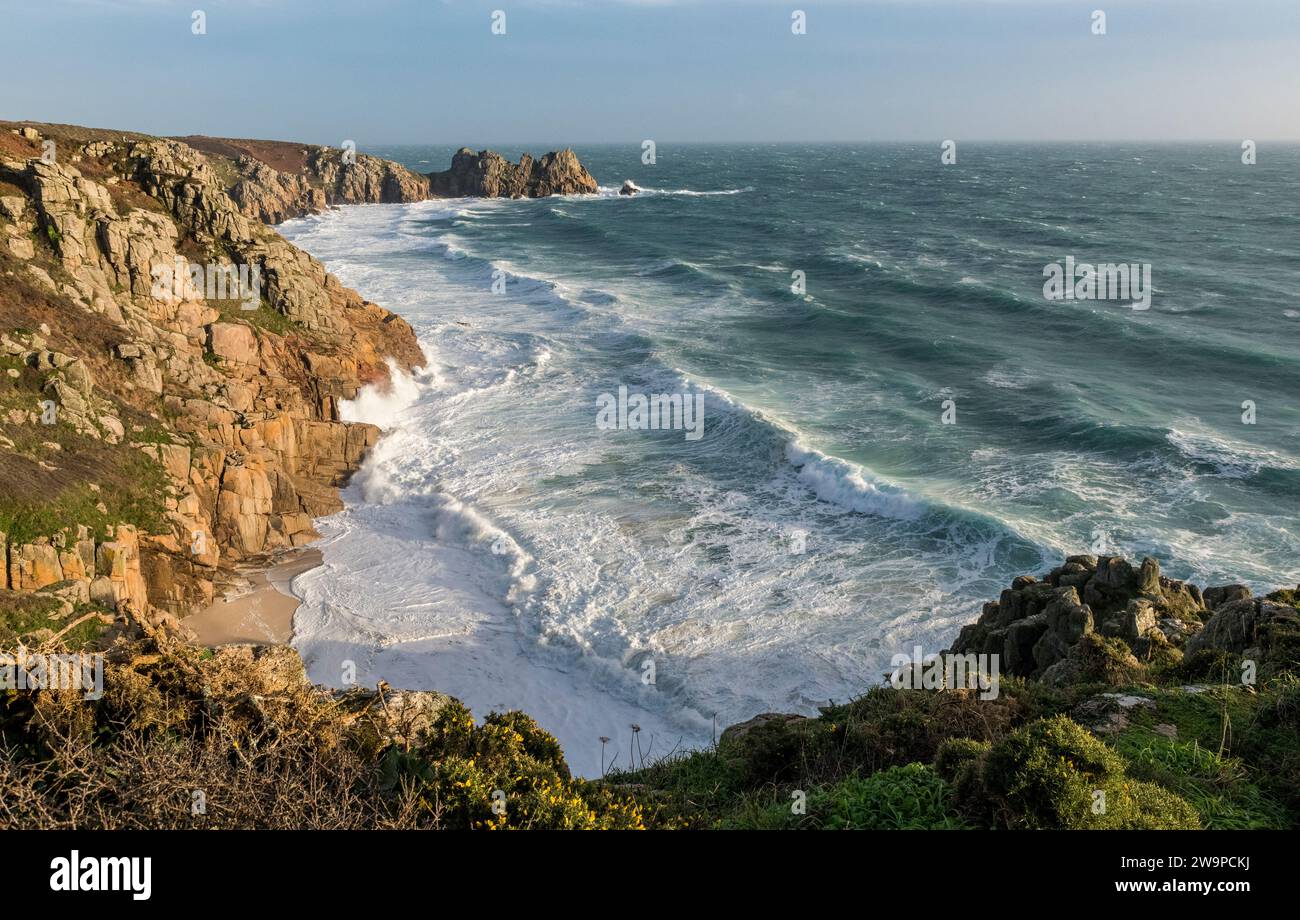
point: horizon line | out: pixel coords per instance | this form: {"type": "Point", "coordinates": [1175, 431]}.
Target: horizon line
{"type": "Point", "coordinates": [698, 141]}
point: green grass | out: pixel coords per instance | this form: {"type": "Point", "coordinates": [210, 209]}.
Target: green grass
{"type": "Point", "coordinates": [1218, 786]}
{"type": "Point", "coordinates": [265, 317]}
{"type": "Point", "coordinates": [156, 434]}
{"type": "Point", "coordinates": [21, 615]}
{"type": "Point", "coordinates": [699, 780]}
{"type": "Point", "coordinates": [133, 490]}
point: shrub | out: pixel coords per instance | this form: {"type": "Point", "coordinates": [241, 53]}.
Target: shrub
{"type": "Point", "coordinates": [956, 753]}
{"type": "Point", "coordinates": [507, 773]}
{"type": "Point", "coordinates": [1053, 773]}
{"type": "Point", "coordinates": [267, 749]}
{"type": "Point", "coordinates": [1107, 660]}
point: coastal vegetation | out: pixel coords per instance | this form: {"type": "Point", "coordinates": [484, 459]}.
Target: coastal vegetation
{"type": "Point", "coordinates": [1182, 745]}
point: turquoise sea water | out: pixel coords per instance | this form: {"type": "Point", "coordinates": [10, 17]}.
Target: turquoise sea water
{"type": "Point", "coordinates": [828, 518]}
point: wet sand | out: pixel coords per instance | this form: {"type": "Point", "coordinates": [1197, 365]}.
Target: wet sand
{"type": "Point", "coordinates": [259, 608]}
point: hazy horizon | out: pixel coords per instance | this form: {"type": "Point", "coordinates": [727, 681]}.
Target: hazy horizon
{"type": "Point", "coordinates": [394, 72]}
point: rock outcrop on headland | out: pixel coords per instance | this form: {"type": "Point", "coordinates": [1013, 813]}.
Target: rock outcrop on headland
{"type": "Point", "coordinates": [1109, 697]}
{"type": "Point", "coordinates": [152, 435]}
{"type": "Point", "coordinates": [489, 175]}
{"type": "Point", "coordinates": [1103, 618]}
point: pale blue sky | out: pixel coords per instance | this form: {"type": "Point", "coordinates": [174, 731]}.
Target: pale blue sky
{"type": "Point", "coordinates": [582, 71]}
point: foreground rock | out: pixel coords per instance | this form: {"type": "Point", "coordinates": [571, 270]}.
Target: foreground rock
{"type": "Point", "coordinates": [490, 175]}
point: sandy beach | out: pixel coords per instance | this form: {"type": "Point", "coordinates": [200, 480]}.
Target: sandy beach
{"type": "Point", "coordinates": [259, 608]}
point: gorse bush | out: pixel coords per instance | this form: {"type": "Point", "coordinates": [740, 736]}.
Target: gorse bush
{"type": "Point", "coordinates": [1053, 773]}
{"type": "Point", "coordinates": [506, 773]}
{"type": "Point", "coordinates": [265, 749]}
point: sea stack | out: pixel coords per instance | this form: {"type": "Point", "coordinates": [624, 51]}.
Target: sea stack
{"type": "Point", "coordinates": [629, 188]}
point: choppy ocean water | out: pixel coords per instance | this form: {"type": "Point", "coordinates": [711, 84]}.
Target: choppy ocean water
{"type": "Point", "coordinates": [500, 546]}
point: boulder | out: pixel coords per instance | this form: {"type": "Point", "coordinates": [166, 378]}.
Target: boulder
{"type": "Point", "coordinates": [1018, 649]}
{"type": "Point", "coordinates": [21, 247]}
{"type": "Point", "coordinates": [1067, 621]}
{"type": "Point", "coordinates": [33, 566]}
{"type": "Point", "coordinates": [233, 342]}
{"type": "Point", "coordinates": [1230, 629]}
{"type": "Point", "coordinates": [1224, 594]}
{"type": "Point", "coordinates": [1134, 622]}
{"type": "Point", "coordinates": [13, 207]}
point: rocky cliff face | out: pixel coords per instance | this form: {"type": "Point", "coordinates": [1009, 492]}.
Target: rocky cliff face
{"type": "Point", "coordinates": [151, 434]}
{"type": "Point", "coordinates": [272, 196]}
{"type": "Point", "coordinates": [273, 181]}
{"type": "Point", "coordinates": [490, 175]}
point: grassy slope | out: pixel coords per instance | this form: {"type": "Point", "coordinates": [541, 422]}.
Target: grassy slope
{"type": "Point", "coordinates": [1230, 752]}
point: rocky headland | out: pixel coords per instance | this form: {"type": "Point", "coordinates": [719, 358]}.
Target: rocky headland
{"type": "Point", "coordinates": [272, 181]}
{"type": "Point", "coordinates": [489, 175]}
{"type": "Point", "coordinates": [151, 439]}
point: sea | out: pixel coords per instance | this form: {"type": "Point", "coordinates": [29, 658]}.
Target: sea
{"type": "Point", "coordinates": [870, 414]}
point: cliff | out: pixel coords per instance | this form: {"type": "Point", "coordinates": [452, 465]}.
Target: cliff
{"type": "Point", "coordinates": [156, 427]}
{"type": "Point", "coordinates": [272, 181]}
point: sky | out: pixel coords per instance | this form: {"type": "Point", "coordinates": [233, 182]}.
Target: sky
{"type": "Point", "coordinates": [387, 72]}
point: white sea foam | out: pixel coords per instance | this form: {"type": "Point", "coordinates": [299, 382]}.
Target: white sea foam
{"type": "Point", "coordinates": [613, 192]}
{"type": "Point", "coordinates": [453, 568]}
{"type": "Point", "coordinates": [849, 486]}
{"type": "Point", "coordinates": [383, 404]}
{"type": "Point", "coordinates": [1231, 457]}
{"type": "Point", "coordinates": [497, 547]}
